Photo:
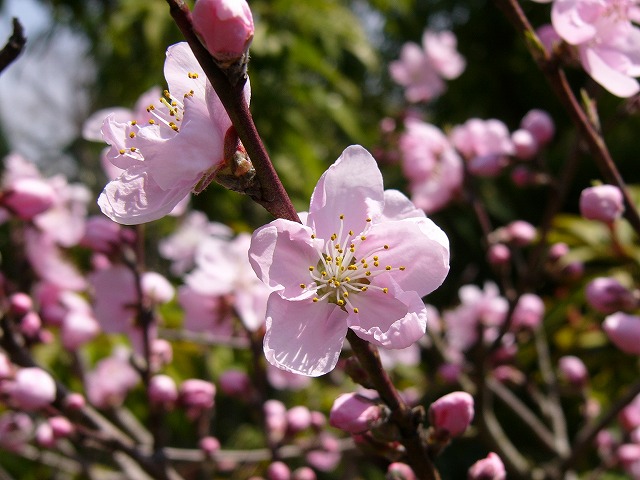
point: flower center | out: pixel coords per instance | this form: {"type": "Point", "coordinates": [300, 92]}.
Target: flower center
{"type": "Point", "coordinates": [346, 267]}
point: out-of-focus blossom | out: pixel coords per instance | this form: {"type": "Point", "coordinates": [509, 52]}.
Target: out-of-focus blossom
{"type": "Point", "coordinates": [485, 144]}
{"type": "Point", "coordinates": [284, 380]}
{"type": "Point", "coordinates": [327, 457]}
{"type": "Point", "coordinates": [608, 295]}
{"type": "Point", "coordinates": [111, 380]}
{"type": "Point", "coordinates": [489, 468]}
{"type": "Point", "coordinates": [363, 260]}
{"type": "Point", "coordinates": [180, 247]}
{"type": "Point", "coordinates": [16, 429]}
{"type": "Point", "coordinates": [540, 125]}
{"type": "Point", "coordinates": [354, 413]}
{"type": "Point", "coordinates": [162, 390]}
{"type": "Point", "coordinates": [607, 41]}
{"type": "Point", "coordinates": [451, 414]}
{"type": "Point", "coordinates": [624, 331]}
{"type": "Point", "coordinates": [235, 383]}
{"type": "Point", "coordinates": [432, 166]}
{"type": "Point", "coordinates": [28, 197]}
{"type": "Point", "coordinates": [399, 471]}
{"type": "Point", "coordinates": [196, 396]}
{"type": "Point", "coordinates": [528, 312]}
{"type": "Point", "coordinates": [604, 203]}
{"type": "Point", "coordinates": [498, 254]}
{"type": "Point", "coordinates": [524, 144]}
{"type": "Point", "coordinates": [422, 70]}
{"type": "Point", "coordinates": [223, 270]}
{"type": "Point", "coordinates": [275, 419]}
{"type": "Point", "coordinates": [298, 418]}
{"type": "Point", "coordinates": [278, 471]}
{"type": "Point", "coordinates": [225, 27]}
{"type": "Point", "coordinates": [205, 313]}
{"type": "Point", "coordinates": [303, 473]}
{"type": "Point", "coordinates": [573, 370]}
{"type": "Point", "coordinates": [31, 389]}
{"type": "Point", "coordinates": [189, 123]}
{"type": "Point", "coordinates": [209, 445]}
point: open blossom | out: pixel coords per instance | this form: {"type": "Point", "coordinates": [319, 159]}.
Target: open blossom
{"type": "Point", "coordinates": [422, 70]}
{"type": "Point", "coordinates": [431, 164]}
{"type": "Point", "coordinates": [607, 41]}
{"type": "Point", "coordinates": [485, 144]}
{"type": "Point", "coordinates": [171, 154]}
{"type": "Point", "coordinates": [363, 259]}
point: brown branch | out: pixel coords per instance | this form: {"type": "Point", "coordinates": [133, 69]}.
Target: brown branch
{"type": "Point", "coordinates": [14, 45]}
{"type": "Point", "coordinates": [272, 196]}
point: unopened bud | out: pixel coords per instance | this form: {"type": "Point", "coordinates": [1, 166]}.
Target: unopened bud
{"type": "Point", "coordinates": [28, 197]}
{"type": "Point", "coordinates": [608, 295]}
{"type": "Point", "coordinates": [32, 389]}
{"type": "Point", "coordinates": [540, 124]}
{"type": "Point", "coordinates": [451, 415]}
{"type": "Point", "coordinates": [399, 471]}
{"type": "Point", "coordinates": [574, 370]}
{"type": "Point", "coordinates": [624, 331]}
{"type": "Point", "coordinates": [162, 390]}
{"type": "Point", "coordinates": [489, 468]}
{"type": "Point", "coordinates": [603, 203]}
{"type": "Point", "coordinates": [278, 471]}
{"type": "Point", "coordinates": [354, 413]}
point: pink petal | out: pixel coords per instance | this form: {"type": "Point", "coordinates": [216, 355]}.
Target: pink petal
{"type": "Point", "coordinates": [597, 63]}
{"type": "Point", "coordinates": [302, 336]}
{"type": "Point", "coordinates": [135, 198]}
{"type": "Point", "coordinates": [179, 64]}
{"type": "Point", "coordinates": [417, 244]}
{"type": "Point", "coordinates": [573, 19]}
{"type": "Point", "coordinates": [281, 254]}
{"type": "Point", "coordinates": [351, 186]}
{"type": "Point", "coordinates": [392, 320]}
{"type": "Point", "coordinates": [397, 206]}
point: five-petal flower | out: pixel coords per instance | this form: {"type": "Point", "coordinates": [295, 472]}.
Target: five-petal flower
{"type": "Point", "coordinates": [363, 259]}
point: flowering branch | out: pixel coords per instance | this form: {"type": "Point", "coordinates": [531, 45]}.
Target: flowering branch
{"type": "Point", "coordinates": [273, 196]}
{"type": "Point", "coordinates": [560, 85]}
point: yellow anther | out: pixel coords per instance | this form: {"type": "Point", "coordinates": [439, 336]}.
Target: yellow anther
{"type": "Point", "coordinates": [345, 294]}
{"type": "Point", "coordinates": [333, 237]}
{"type": "Point", "coordinates": [311, 269]}
{"type": "Point", "coordinates": [133, 149]}
{"type": "Point", "coordinates": [192, 75]}
{"type": "Point", "coordinates": [403, 268]}
{"type": "Point", "coordinates": [365, 265]}
{"type": "Point", "coordinates": [324, 274]}
{"type": "Point", "coordinates": [302, 285]}
{"type": "Point", "coordinates": [386, 247]}
{"type": "Point", "coordinates": [174, 104]}
{"type": "Point", "coordinates": [350, 232]}
{"type": "Point", "coordinates": [315, 299]}
{"type": "Point", "coordinates": [388, 267]}
{"type": "Point", "coordinates": [352, 267]}
{"type": "Point", "coordinates": [364, 289]}
{"type": "Point", "coordinates": [133, 122]}
{"type": "Point", "coordinates": [368, 219]}
{"type": "Point", "coordinates": [355, 310]}
{"type": "Point", "coordinates": [132, 134]}
{"type": "Point", "coordinates": [375, 258]}
{"type": "Point", "coordinates": [151, 107]}
{"type": "Point", "coordinates": [122, 151]}
{"type": "Point", "coordinates": [367, 273]}
{"type": "Point", "coordinates": [341, 217]}
{"type": "Point", "coordinates": [329, 259]}
{"type": "Point", "coordinates": [152, 121]}
{"type": "Point", "coordinates": [363, 261]}
{"type": "Point", "coordinates": [376, 264]}
{"type": "Point", "coordinates": [166, 94]}
{"type": "Point", "coordinates": [347, 279]}
{"type": "Point", "coordinates": [385, 290]}
{"type": "Point", "coordinates": [313, 236]}
{"type": "Point", "coordinates": [340, 303]}
{"type": "Point", "coordinates": [363, 238]}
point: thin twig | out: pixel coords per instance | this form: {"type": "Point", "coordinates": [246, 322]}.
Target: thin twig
{"type": "Point", "coordinates": [14, 45]}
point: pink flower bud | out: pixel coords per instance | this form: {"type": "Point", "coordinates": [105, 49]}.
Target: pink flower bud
{"type": "Point", "coordinates": [197, 394]}
{"type": "Point", "coordinates": [16, 429]}
{"type": "Point", "coordinates": [557, 251]}
{"type": "Point", "coordinates": [209, 445]}
{"type": "Point", "coordinates": [303, 473]}
{"type": "Point", "coordinates": [75, 401]}
{"type": "Point", "coordinates": [161, 353]}
{"type": "Point", "coordinates": [489, 468]}
{"type": "Point", "coordinates": [77, 329]}
{"type": "Point", "coordinates": [354, 413]}
{"type": "Point", "coordinates": [278, 471]}
{"type": "Point", "coordinates": [629, 416]}
{"type": "Point", "coordinates": [607, 295]}
{"type": "Point", "coordinates": [225, 26]}
{"type": "Point", "coordinates": [32, 389]}
{"type": "Point", "coordinates": [235, 383]}
{"type": "Point", "coordinates": [101, 234]}
{"type": "Point", "coordinates": [61, 427]}
{"type": "Point", "coordinates": [603, 203]}
{"type": "Point", "coordinates": [20, 303]}
{"type": "Point", "coordinates": [499, 254]}
{"type": "Point", "coordinates": [28, 197]}
{"type": "Point", "coordinates": [540, 124]}
{"type": "Point", "coordinates": [400, 471]}
{"type": "Point", "coordinates": [30, 325]}
{"type": "Point", "coordinates": [451, 415]}
{"type": "Point", "coordinates": [574, 370]}
{"type": "Point", "coordinates": [628, 455]}
{"type": "Point", "coordinates": [298, 418]}
{"type": "Point", "coordinates": [528, 312]}
{"type": "Point", "coordinates": [525, 144]}
{"type": "Point", "coordinates": [156, 288]}
{"type": "Point", "coordinates": [6, 368]}
{"type": "Point", "coordinates": [523, 176]}
{"type": "Point", "coordinates": [327, 457]}
{"type": "Point", "coordinates": [318, 420]}
{"type": "Point", "coordinates": [44, 435]}
{"type": "Point", "coordinates": [520, 233]}
{"type": "Point", "coordinates": [162, 390]}
{"type": "Point", "coordinates": [275, 417]}
{"type": "Point", "coordinates": [624, 331]}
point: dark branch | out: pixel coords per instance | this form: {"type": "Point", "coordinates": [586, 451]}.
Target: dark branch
{"type": "Point", "coordinates": [14, 45]}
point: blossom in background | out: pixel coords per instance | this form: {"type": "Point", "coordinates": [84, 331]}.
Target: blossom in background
{"type": "Point", "coordinates": [363, 259]}
{"type": "Point", "coordinates": [431, 164]}
{"type": "Point", "coordinates": [422, 71]}
{"type": "Point", "coordinates": [172, 153]}
{"type": "Point", "coordinates": [223, 272]}
{"type": "Point", "coordinates": [607, 41]}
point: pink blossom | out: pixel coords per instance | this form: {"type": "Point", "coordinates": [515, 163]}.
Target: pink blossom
{"type": "Point", "coordinates": [28, 197]}
{"type": "Point", "coordinates": [31, 389]}
{"type": "Point", "coordinates": [235, 383]}
{"type": "Point", "coordinates": [298, 418]}
{"type": "Point", "coordinates": [278, 471]}
{"type": "Point", "coordinates": [603, 203]}
{"type": "Point", "coordinates": [205, 313]}
{"type": "Point", "coordinates": [189, 123]}
{"type": "Point", "coordinates": [422, 70]}
{"type": "Point", "coordinates": [574, 370]}
{"type": "Point", "coordinates": [540, 125]}
{"type": "Point", "coordinates": [624, 331]}
{"type": "Point", "coordinates": [111, 379]}
{"type": "Point", "coordinates": [223, 270]}
{"type": "Point", "coordinates": [528, 312]}
{"type": "Point", "coordinates": [225, 26]}
{"type": "Point", "coordinates": [197, 395]}
{"type": "Point", "coordinates": [607, 41]}
{"type": "Point", "coordinates": [354, 413]}
{"type": "Point", "coordinates": [162, 390]}
{"type": "Point", "coordinates": [400, 471]}
{"type": "Point", "coordinates": [363, 259]}
{"type": "Point", "coordinates": [608, 295]}
{"type": "Point", "coordinates": [16, 428]}
{"type": "Point", "coordinates": [431, 164]}
{"type": "Point", "coordinates": [452, 414]}
{"type": "Point", "coordinates": [489, 468]}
